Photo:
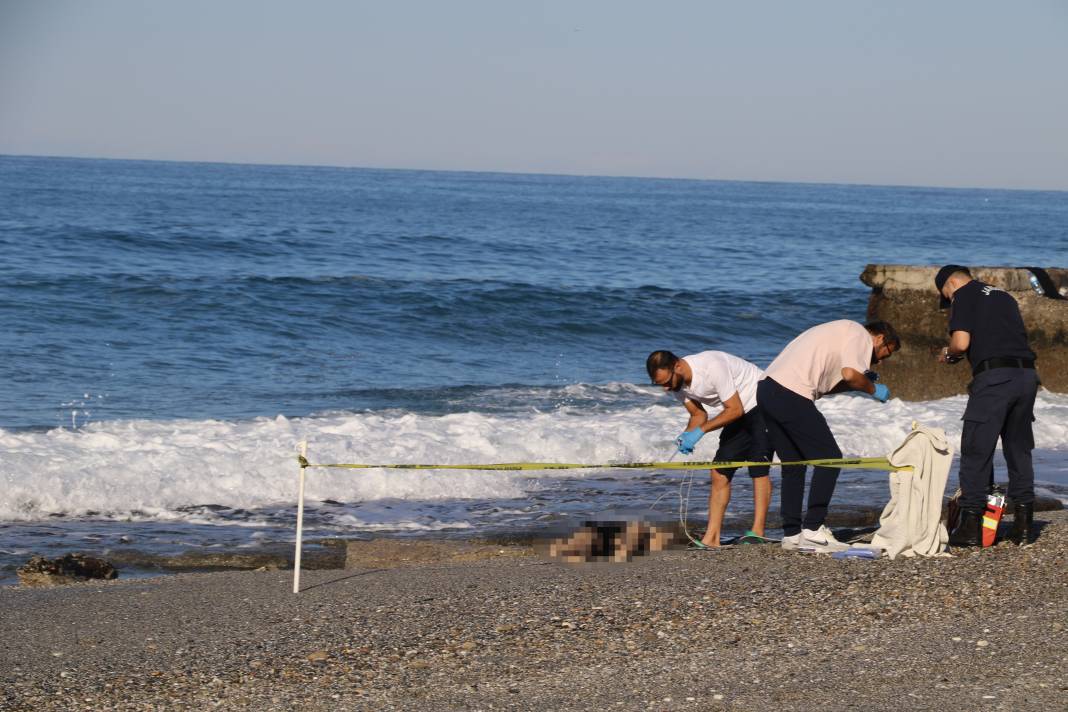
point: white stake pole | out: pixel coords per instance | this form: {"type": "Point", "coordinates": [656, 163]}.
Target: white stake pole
{"type": "Point", "coordinates": [300, 519]}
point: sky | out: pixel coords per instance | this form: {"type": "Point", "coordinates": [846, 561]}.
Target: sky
{"type": "Point", "coordinates": [903, 92]}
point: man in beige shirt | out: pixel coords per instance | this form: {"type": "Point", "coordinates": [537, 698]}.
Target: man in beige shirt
{"type": "Point", "coordinates": [828, 358]}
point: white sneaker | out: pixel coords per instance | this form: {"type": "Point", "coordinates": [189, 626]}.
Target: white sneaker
{"type": "Point", "coordinates": [821, 540]}
{"type": "Point", "coordinates": [789, 543]}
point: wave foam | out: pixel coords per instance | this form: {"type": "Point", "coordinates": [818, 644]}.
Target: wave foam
{"type": "Point", "coordinates": [138, 468]}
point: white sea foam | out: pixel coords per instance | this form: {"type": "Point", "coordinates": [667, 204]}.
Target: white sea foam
{"type": "Point", "coordinates": [153, 469]}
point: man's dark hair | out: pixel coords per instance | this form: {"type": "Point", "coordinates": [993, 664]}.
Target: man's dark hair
{"type": "Point", "coordinates": [890, 337]}
{"type": "Point", "coordinates": [658, 360]}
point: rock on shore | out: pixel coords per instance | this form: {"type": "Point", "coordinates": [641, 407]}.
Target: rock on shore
{"type": "Point", "coordinates": [71, 568]}
{"type": "Point", "coordinates": [742, 628]}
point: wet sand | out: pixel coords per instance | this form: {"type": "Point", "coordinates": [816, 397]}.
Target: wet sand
{"type": "Point", "coordinates": [742, 628]}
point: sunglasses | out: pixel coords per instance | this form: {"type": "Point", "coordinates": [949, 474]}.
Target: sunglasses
{"type": "Point", "coordinates": [668, 382]}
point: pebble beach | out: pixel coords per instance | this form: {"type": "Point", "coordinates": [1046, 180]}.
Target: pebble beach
{"type": "Point", "coordinates": [745, 628]}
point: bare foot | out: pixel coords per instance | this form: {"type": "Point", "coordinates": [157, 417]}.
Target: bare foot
{"type": "Point", "coordinates": [710, 542]}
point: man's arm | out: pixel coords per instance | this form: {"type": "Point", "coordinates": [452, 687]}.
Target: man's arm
{"type": "Point", "coordinates": [854, 380]}
{"type": "Point", "coordinates": [732, 411]}
{"type": "Point", "coordinates": [959, 341]}
{"type": "Point", "coordinates": [840, 387]}
{"type": "Point", "coordinates": [698, 416]}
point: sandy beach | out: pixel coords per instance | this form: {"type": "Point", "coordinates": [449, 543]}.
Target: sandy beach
{"type": "Point", "coordinates": [742, 628]}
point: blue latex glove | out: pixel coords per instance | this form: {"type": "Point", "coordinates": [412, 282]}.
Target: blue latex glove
{"type": "Point", "coordinates": [882, 393]}
{"type": "Point", "coordinates": [688, 440]}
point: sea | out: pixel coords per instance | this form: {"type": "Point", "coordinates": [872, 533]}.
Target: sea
{"type": "Point", "coordinates": [172, 331]}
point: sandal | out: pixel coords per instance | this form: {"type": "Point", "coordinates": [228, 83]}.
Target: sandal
{"type": "Point", "coordinates": [751, 537]}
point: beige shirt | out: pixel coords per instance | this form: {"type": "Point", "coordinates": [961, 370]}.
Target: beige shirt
{"type": "Point", "coordinates": [812, 364]}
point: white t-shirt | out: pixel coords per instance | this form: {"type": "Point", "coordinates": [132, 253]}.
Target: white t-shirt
{"type": "Point", "coordinates": [717, 376]}
{"type": "Point", "coordinates": [812, 364]}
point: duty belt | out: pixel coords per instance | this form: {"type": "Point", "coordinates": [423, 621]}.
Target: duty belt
{"type": "Point", "coordinates": [1000, 362]}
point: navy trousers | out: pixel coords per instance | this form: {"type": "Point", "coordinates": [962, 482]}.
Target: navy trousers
{"type": "Point", "coordinates": [1001, 404]}
{"type": "Point", "coordinates": [798, 431]}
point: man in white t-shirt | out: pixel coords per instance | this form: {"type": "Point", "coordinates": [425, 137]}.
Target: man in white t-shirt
{"type": "Point", "coordinates": [828, 358]}
{"type": "Point", "coordinates": [726, 385]}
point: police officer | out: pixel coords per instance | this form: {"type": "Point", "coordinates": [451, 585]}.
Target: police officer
{"type": "Point", "coordinates": [985, 325]}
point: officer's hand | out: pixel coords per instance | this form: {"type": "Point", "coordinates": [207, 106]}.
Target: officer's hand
{"type": "Point", "coordinates": [945, 357]}
{"type": "Point", "coordinates": [688, 440]}
{"type": "Point", "coordinates": [882, 393]}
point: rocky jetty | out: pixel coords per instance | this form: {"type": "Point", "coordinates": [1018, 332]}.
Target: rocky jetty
{"type": "Point", "coordinates": [904, 295]}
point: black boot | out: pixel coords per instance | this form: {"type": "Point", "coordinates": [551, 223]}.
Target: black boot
{"type": "Point", "coordinates": [969, 531]}
{"type": "Point", "coordinates": [1023, 516]}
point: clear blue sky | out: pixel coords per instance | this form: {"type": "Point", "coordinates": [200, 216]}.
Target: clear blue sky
{"type": "Point", "coordinates": [951, 92]}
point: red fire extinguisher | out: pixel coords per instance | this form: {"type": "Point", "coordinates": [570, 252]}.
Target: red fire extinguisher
{"type": "Point", "coordinates": [995, 505]}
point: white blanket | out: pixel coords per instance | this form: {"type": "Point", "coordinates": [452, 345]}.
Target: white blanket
{"type": "Point", "coordinates": [910, 524]}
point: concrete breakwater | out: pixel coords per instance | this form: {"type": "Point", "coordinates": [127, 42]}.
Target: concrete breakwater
{"type": "Point", "coordinates": [904, 295]}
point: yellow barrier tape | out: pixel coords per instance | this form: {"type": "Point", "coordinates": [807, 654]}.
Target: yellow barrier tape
{"type": "Point", "coordinates": [865, 463]}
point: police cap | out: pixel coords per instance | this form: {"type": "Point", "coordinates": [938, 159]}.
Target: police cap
{"type": "Point", "coordinates": [942, 276]}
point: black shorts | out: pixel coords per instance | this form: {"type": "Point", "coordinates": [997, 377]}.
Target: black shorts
{"type": "Point", "coordinates": [745, 439]}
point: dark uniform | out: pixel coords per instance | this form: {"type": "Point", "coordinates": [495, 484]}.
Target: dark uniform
{"type": "Point", "coordinates": [1001, 396]}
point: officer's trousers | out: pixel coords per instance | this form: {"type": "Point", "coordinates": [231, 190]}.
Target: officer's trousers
{"type": "Point", "coordinates": [1001, 404]}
